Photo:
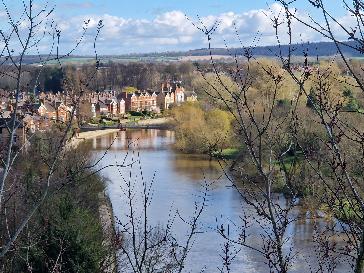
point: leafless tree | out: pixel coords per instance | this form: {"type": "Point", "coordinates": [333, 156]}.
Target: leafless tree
{"type": "Point", "coordinates": [336, 166]}
{"type": "Point", "coordinates": [17, 43]}
{"type": "Point", "coordinates": [343, 138]}
{"type": "Point", "coordinates": [258, 130]}
{"type": "Point", "coordinates": [143, 246]}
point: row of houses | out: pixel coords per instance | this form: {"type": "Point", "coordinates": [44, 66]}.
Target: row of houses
{"type": "Point", "coordinates": [149, 100]}
{"type": "Point", "coordinates": [108, 103]}
{"type": "Point", "coordinates": [40, 112]}
{"type": "Point", "coordinates": [54, 110]}
{"type": "Point", "coordinates": [58, 106]}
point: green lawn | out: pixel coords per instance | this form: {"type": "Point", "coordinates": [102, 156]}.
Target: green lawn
{"type": "Point", "coordinates": [229, 153]}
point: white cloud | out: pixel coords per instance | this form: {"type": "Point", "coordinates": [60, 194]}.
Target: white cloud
{"type": "Point", "coordinates": [173, 31]}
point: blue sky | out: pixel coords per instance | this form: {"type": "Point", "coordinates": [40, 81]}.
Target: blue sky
{"type": "Point", "coordinates": [149, 8]}
{"type": "Point", "coordinates": [135, 26]}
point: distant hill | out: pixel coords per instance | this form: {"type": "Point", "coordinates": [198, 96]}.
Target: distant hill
{"type": "Point", "coordinates": [313, 49]}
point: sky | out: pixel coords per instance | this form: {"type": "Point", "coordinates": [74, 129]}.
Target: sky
{"type": "Point", "coordinates": [148, 9]}
{"type": "Point", "coordinates": [140, 26]}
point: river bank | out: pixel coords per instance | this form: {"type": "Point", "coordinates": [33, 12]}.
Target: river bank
{"type": "Point", "coordinates": [108, 229]}
{"type": "Point", "coordinates": [178, 179]}
{"type": "Point", "coordinates": [105, 210]}
{"type": "Point", "coordinates": [81, 137]}
{"type": "Point", "coordinates": [155, 123]}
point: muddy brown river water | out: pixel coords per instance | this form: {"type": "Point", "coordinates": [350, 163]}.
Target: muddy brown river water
{"type": "Point", "coordinates": [178, 183]}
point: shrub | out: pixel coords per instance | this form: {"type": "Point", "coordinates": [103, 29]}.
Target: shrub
{"type": "Point", "coordinates": [200, 131]}
{"type": "Point", "coordinates": [67, 227]}
{"type": "Point", "coordinates": [352, 105]}
{"type": "Point", "coordinates": [136, 114]}
{"type": "Point", "coordinates": [75, 233]}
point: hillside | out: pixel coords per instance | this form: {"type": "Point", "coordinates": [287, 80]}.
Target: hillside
{"type": "Point", "coordinates": [313, 49]}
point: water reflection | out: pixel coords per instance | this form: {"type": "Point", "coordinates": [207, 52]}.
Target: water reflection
{"type": "Point", "coordinates": [196, 167]}
{"type": "Point", "coordinates": [134, 139]}
{"type": "Point", "coordinates": [178, 183]}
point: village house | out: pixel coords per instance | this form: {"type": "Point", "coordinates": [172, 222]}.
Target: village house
{"type": "Point", "coordinates": [30, 124]}
{"type": "Point", "coordinates": [42, 123]}
{"type": "Point", "coordinates": [140, 101]}
{"type": "Point", "coordinates": [165, 99]}
{"type": "Point", "coordinates": [57, 110]}
{"type": "Point", "coordinates": [20, 137]}
{"type": "Point", "coordinates": [112, 106]}
{"type": "Point", "coordinates": [63, 112]}
{"type": "Point", "coordinates": [121, 107]}
{"type": "Point", "coordinates": [93, 110]}
{"type": "Point", "coordinates": [107, 104]}
{"type": "Point", "coordinates": [179, 94]}
{"type": "Point", "coordinates": [47, 110]}
{"type": "Point", "coordinates": [172, 92]}
{"type": "Point", "coordinates": [91, 100]}
{"type": "Point", "coordinates": [149, 101]}
{"type": "Point", "coordinates": [131, 103]}
{"type": "Point", "coordinates": [175, 88]}
{"type": "Point", "coordinates": [102, 109]}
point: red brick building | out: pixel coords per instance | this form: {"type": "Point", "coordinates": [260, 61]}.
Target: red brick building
{"type": "Point", "coordinates": [140, 101]}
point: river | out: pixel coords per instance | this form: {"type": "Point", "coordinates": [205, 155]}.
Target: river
{"type": "Point", "coordinates": [178, 183]}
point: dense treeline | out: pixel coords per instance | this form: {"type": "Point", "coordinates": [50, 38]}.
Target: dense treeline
{"type": "Point", "coordinates": [108, 76]}
{"type": "Point", "coordinates": [116, 76]}
{"type": "Point", "coordinates": [196, 125]}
